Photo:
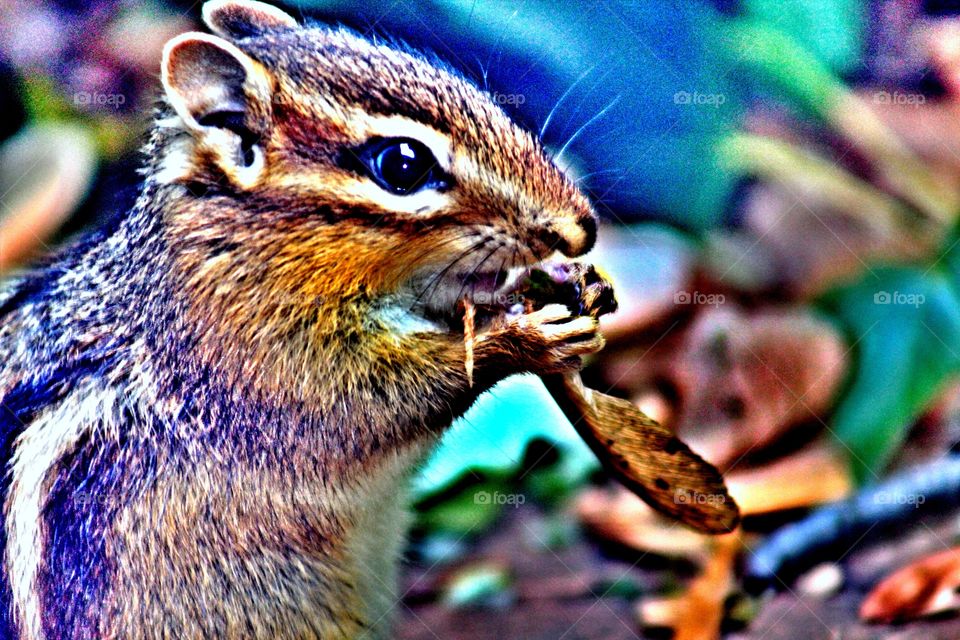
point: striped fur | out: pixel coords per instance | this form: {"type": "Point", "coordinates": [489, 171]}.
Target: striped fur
{"type": "Point", "coordinates": [37, 452]}
{"type": "Point", "coordinates": [210, 407]}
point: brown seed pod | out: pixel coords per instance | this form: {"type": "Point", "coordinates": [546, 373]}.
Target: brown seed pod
{"type": "Point", "coordinates": [646, 457]}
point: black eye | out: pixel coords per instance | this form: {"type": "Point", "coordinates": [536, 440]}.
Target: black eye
{"type": "Point", "coordinates": [404, 166]}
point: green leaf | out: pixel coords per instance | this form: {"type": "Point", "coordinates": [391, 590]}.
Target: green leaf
{"type": "Point", "coordinates": [832, 29]}
{"type": "Point", "coordinates": [469, 512]}
{"type": "Point", "coordinates": [904, 324]}
{"type": "Point", "coordinates": [783, 61]}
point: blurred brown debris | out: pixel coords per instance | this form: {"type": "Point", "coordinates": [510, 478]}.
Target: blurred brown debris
{"type": "Point", "coordinates": [922, 588]}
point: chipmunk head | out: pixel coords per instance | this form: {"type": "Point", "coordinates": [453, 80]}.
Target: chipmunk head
{"type": "Point", "coordinates": [337, 164]}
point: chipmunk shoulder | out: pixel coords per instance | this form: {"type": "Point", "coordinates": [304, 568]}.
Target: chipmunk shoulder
{"type": "Point", "coordinates": [210, 406]}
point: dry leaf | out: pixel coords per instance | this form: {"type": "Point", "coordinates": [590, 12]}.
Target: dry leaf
{"type": "Point", "coordinates": [923, 588]}
{"type": "Point", "coordinates": [742, 379]}
{"type": "Point", "coordinates": [787, 483]}
{"type": "Point", "coordinates": [698, 613]}
{"type": "Point", "coordinates": [617, 515]}
{"type": "Point", "coordinates": [642, 454]}
{"type": "Point", "coordinates": [646, 457]}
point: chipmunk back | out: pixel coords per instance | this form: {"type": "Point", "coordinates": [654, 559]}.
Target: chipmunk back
{"type": "Point", "coordinates": [211, 406]}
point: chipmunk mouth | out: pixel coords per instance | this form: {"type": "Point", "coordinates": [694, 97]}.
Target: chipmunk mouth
{"type": "Point", "coordinates": [484, 280]}
{"type": "Point", "coordinates": [442, 298]}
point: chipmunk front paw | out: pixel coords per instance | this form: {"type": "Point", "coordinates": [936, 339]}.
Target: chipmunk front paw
{"type": "Point", "coordinates": [594, 294]}
{"type": "Point", "coordinates": [549, 340]}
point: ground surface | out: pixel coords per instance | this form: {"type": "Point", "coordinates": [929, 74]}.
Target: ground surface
{"type": "Point", "coordinates": [567, 593]}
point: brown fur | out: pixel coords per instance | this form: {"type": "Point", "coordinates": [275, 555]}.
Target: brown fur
{"type": "Point", "coordinates": [308, 322]}
{"type": "Point", "coordinates": [306, 268]}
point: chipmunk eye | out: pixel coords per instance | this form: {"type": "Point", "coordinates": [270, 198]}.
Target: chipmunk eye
{"type": "Point", "coordinates": [404, 166]}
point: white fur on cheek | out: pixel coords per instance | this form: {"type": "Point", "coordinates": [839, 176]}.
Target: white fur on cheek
{"type": "Point", "coordinates": [403, 322]}
{"type": "Point", "coordinates": [177, 162]}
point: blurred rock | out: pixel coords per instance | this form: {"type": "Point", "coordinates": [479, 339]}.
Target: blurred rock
{"type": "Point", "coordinates": [822, 581]}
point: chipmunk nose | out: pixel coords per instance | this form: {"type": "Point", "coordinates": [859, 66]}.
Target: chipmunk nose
{"type": "Point", "coordinates": [572, 236]}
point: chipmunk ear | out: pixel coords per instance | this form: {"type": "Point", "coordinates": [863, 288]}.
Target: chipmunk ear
{"type": "Point", "coordinates": [223, 97]}
{"type": "Point", "coordinates": [236, 19]}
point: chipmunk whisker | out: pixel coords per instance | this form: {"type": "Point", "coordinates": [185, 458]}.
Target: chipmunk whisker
{"type": "Point", "coordinates": [433, 285]}
{"type": "Point", "coordinates": [566, 94]}
{"type": "Point", "coordinates": [476, 269]}
{"type": "Point", "coordinates": [584, 127]}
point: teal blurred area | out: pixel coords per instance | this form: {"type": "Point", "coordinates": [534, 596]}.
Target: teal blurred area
{"type": "Point", "coordinates": [494, 435]}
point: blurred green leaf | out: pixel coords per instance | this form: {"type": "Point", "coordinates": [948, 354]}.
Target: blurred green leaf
{"type": "Point", "coordinates": [904, 324]}
{"type": "Point", "coordinates": [471, 511]}
{"type": "Point", "coordinates": [493, 442]}
{"type": "Point", "coordinates": [832, 29]}
{"type": "Point", "coordinates": [786, 63]}
{"type": "Point", "coordinates": [43, 100]}
{"type": "Point", "coordinates": [551, 485]}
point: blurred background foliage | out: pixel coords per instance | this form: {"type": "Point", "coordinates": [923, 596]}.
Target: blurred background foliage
{"type": "Point", "coordinates": [779, 180]}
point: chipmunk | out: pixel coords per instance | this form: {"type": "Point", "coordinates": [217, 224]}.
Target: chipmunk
{"type": "Point", "coordinates": [211, 406]}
